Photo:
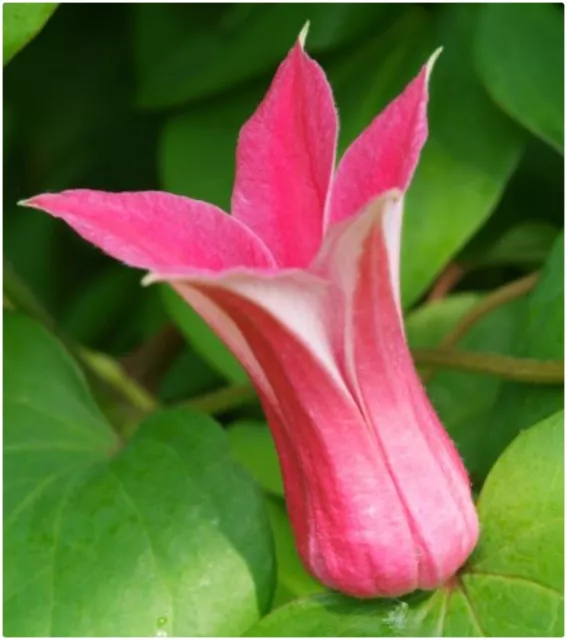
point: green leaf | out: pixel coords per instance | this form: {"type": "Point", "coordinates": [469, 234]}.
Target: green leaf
{"type": "Point", "coordinates": [31, 244]}
{"type": "Point", "coordinates": [188, 376]}
{"type": "Point", "coordinates": [333, 615]}
{"type": "Point", "coordinates": [253, 446]}
{"type": "Point", "coordinates": [22, 21]}
{"type": "Point", "coordinates": [527, 217]}
{"type": "Point", "coordinates": [201, 337]}
{"type": "Point", "coordinates": [430, 323]}
{"type": "Point", "coordinates": [463, 169]}
{"type": "Point", "coordinates": [527, 243]}
{"type": "Point", "coordinates": [72, 94]}
{"type": "Point", "coordinates": [519, 56]}
{"type": "Point", "coordinates": [512, 585]}
{"type": "Point", "coordinates": [196, 155]}
{"type": "Point", "coordinates": [541, 330]}
{"type": "Point", "coordinates": [193, 51]}
{"type": "Point", "coordinates": [153, 523]}
{"type": "Point", "coordinates": [102, 306]}
{"type": "Point", "coordinates": [515, 577]}
{"type": "Point", "coordinates": [293, 579]}
{"type": "Point", "coordinates": [483, 414]}
{"type": "Point", "coordinates": [539, 334]}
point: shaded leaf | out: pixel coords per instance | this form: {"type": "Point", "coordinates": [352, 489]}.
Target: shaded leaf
{"type": "Point", "coordinates": [472, 148]}
{"type": "Point", "coordinates": [539, 334]}
{"type": "Point", "coordinates": [197, 149]}
{"type": "Point", "coordinates": [519, 56]}
{"type": "Point", "coordinates": [527, 243]}
{"type": "Point", "coordinates": [191, 51]}
{"type": "Point", "coordinates": [465, 401]}
{"type": "Point", "coordinates": [188, 376]}
{"type": "Point", "coordinates": [102, 306]}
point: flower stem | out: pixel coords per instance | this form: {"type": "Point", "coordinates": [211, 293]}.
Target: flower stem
{"type": "Point", "coordinates": [518, 369]}
{"type": "Point", "coordinates": [492, 301]}
{"type": "Point", "coordinates": [489, 303]}
{"type": "Point", "coordinates": [223, 399]}
{"type": "Point", "coordinates": [446, 282]}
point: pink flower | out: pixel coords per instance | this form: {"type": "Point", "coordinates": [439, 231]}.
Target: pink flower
{"type": "Point", "coordinates": [302, 283]}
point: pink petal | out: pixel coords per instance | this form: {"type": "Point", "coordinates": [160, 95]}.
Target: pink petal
{"type": "Point", "coordinates": [350, 527]}
{"type": "Point", "coordinates": [385, 155]}
{"type": "Point", "coordinates": [381, 375]}
{"type": "Point", "coordinates": [285, 160]}
{"type": "Point", "coordinates": [156, 230]}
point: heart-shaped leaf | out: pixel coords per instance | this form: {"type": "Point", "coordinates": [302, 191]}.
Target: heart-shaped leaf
{"type": "Point", "coordinates": [109, 540]}
{"type": "Point", "coordinates": [514, 580]}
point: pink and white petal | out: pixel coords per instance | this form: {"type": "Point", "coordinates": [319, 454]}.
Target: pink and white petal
{"type": "Point", "coordinates": [326, 449]}
{"type": "Point", "coordinates": [223, 325]}
{"type": "Point", "coordinates": [285, 160]}
{"type": "Point", "coordinates": [345, 538]}
{"type": "Point", "coordinates": [385, 155]}
{"type": "Point", "coordinates": [155, 230]}
{"type": "Point", "coordinates": [377, 364]}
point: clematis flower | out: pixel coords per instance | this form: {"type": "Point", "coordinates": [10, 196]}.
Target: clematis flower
{"type": "Point", "coordinates": [302, 283]}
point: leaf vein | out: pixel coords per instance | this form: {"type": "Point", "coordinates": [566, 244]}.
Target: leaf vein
{"type": "Point", "coordinates": [130, 500]}
{"type": "Point", "coordinates": [472, 610]}
{"type": "Point", "coordinates": [512, 578]}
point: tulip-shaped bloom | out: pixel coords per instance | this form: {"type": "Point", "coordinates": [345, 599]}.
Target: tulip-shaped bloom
{"type": "Point", "coordinates": [302, 283]}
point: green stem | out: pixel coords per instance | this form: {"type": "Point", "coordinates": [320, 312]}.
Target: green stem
{"type": "Point", "coordinates": [114, 375]}
{"type": "Point", "coordinates": [492, 301]}
{"type": "Point", "coordinates": [223, 399]}
{"type": "Point", "coordinates": [489, 303]}
{"type": "Point", "coordinates": [518, 369]}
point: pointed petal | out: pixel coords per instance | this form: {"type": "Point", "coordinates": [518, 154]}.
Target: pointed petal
{"type": "Point", "coordinates": [156, 230]}
{"type": "Point", "coordinates": [385, 155]}
{"type": "Point", "coordinates": [359, 256]}
{"type": "Point", "coordinates": [285, 160]}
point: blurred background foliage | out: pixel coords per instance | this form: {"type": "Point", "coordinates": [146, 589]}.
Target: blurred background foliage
{"type": "Point", "coordinates": [152, 96]}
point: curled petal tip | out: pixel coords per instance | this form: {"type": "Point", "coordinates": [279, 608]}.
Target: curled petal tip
{"type": "Point", "coordinates": [303, 34]}
{"type": "Point", "coordinates": [150, 278]}
{"type": "Point", "coordinates": [432, 60]}
{"type": "Point", "coordinates": [29, 202]}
